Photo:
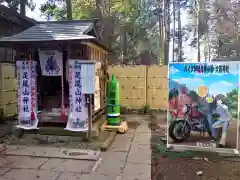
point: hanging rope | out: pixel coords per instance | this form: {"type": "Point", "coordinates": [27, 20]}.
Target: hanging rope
{"type": "Point", "coordinates": [63, 114]}
{"type": "Point", "coordinates": [32, 116]}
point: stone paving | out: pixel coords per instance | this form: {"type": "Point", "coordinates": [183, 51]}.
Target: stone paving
{"type": "Point", "coordinates": [128, 158]}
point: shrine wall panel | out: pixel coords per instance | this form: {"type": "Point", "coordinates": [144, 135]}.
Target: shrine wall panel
{"type": "Point", "coordinates": [8, 89]}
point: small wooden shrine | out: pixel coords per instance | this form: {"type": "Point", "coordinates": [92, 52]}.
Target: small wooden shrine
{"type": "Point", "coordinates": [76, 40]}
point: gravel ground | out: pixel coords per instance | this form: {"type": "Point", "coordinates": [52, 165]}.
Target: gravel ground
{"type": "Point", "coordinates": [54, 141]}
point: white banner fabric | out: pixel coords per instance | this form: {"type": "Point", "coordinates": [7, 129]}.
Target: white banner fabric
{"type": "Point", "coordinates": [27, 96]}
{"type": "Point", "coordinates": [78, 111]}
{"type": "Point", "coordinates": [51, 62]}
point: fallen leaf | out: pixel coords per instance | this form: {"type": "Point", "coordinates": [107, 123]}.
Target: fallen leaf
{"type": "Point", "coordinates": [206, 159]}
{"type": "Point", "coordinates": [199, 173]}
{"type": "Point", "coordinates": [196, 158]}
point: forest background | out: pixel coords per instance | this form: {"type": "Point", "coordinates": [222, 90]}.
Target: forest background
{"type": "Point", "coordinates": [155, 28]}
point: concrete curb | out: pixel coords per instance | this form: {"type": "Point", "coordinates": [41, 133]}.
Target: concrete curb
{"type": "Point", "coordinates": [105, 145]}
{"type": "Point", "coordinates": [3, 147]}
{"type": "Point", "coordinates": [51, 152]}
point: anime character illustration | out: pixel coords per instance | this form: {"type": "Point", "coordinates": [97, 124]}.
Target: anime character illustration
{"type": "Point", "coordinates": [203, 104]}
{"type": "Point", "coordinates": [222, 121]}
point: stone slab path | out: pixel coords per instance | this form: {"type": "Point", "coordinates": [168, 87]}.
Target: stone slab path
{"type": "Point", "coordinates": [129, 158]}
{"type": "Point", "coordinates": [51, 152]}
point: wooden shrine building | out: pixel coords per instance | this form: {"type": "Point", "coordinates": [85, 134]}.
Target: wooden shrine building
{"type": "Point", "coordinates": [76, 40]}
{"type": "Point", "coordinates": [12, 23]}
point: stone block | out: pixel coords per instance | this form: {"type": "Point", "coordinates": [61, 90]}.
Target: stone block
{"type": "Point", "coordinates": [142, 138]}
{"type": "Point", "coordinates": [112, 163]}
{"type": "Point", "coordinates": [51, 152]}
{"type": "Point", "coordinates": [3, 162]}
{"type": "Point", "coordinates": [63, 138]}
{"type": "Point", "coordinates": [25, 162]}
{"type": "Point", "coordinates": [3, 170]}
{"type": "Point", "coordinates": [52, 139]}
{"type": "Point", "coordinates": [129, 133]}
{"type": "Point", "coordinates": [140, 154]}
{"type": "Point", "coordinates": [74, 176]}
{"type": "Point", "coordinates": [121, 144]}
{"type": "Point", "coordinates": [76, 166]}
{"type": "Point", "coordinates": [143, 128]}
{"type": "Point", "coordinates": [30, 174]}
{"type": "Point", "coordinates": [137, 172]}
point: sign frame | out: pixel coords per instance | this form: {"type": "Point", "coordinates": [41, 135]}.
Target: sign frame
{"type": "Point", "coordinates": [180, 147]}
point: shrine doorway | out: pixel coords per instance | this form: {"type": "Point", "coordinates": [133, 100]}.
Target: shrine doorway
{"type": "Point", "coordinates": [50, 92]}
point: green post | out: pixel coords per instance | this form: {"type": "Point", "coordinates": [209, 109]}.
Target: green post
{"type": "Point", "coordinates": [113, 102]}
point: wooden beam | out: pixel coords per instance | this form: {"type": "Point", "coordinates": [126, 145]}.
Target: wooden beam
{"type": "Point", "coordinates": [94, 46]}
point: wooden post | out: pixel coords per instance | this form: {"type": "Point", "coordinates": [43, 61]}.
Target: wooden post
{"type": "Point", "coordinates": [89, 101]}
{"type": "Point", "coordinates": [146, 85]}
{"type": "Point", "coordinates": [69, 9]}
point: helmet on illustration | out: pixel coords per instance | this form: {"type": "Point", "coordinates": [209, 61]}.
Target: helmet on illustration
{"type": "Point", "coordinates": [220, 103]}
{"type": "Point", "coordinates": [202, 91]}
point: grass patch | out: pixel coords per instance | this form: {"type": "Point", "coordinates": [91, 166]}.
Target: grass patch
{"type": "Point", "coordinates": [159, 148]}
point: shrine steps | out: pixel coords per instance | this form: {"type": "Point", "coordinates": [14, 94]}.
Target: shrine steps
{"type": "Point", "coordinates": [57, 128]}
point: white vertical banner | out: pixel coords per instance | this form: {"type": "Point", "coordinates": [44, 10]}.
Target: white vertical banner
{"type": "Point", "coordinates": [51, 62]}
{"type": "Point", "coordinates": [78, 111]}
{"type": "Point", "coordinates": [27, 95]}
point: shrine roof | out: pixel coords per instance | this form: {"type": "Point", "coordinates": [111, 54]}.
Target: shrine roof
{"type": "Point", "coordinates": [53, 31]}
{"type": "Point", "coordinates": [13, 16]}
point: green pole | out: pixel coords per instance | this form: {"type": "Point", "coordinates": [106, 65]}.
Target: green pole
{"type": "Point", "coordinates": [113, 102]}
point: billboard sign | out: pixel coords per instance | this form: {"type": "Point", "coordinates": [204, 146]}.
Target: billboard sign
{"type": "Point", "coordinates": [203, 105]}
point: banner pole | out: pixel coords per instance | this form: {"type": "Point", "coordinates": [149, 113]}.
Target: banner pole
{"type": "Point", "coordinates": [32, 115]}
{"type": "Point", "coordinates": [237, 143]}
{"type": "Point", "coordinates": [89, 99]}
{"type": "Point", "coordinates": [63, 111]}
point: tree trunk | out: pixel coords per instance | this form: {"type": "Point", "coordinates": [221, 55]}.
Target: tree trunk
{"type": "Point", "coordinates": [198, 35]}
{"type": "Point", "coordinates": [161, 29]}
{"type": "Point", "coordinates": [179, 32]}
{"type": "Point", "coordinates": [69, 9]}
{"type": "Point", "coordinates": [209, 49]}
{"type": "Point", "coordinates": [124, 42]}
{"type": "Point", "coordinates": [174, 24]}
{"type": "Point", "coordinates": [101, 23]}
{"type": "Point", "coordinates": [23, 7]}
{"type": "Point", "coordinates": [167, 29]}
{"type": "Point", "coordinates": [98, 6]}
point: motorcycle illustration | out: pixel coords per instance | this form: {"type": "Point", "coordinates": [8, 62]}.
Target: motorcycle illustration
{"type": "Point", "coordinates": [193, 120]}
